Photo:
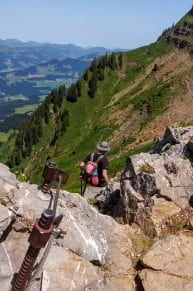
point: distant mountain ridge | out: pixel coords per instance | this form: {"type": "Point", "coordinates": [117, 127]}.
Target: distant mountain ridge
{"type": "Point", "coordinates": [15, 54]}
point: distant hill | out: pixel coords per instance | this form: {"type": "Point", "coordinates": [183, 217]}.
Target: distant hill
{"type": "Point", "coordinates": [126, 98]}
{"type": "Point", "coordinates": [15, 54]}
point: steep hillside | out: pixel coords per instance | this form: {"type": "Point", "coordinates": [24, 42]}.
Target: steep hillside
{"type": "Point", "coordinates": [137, 96]}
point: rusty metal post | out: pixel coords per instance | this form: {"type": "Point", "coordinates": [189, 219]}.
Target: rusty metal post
{"type": "Point", "coordinates": [39, 237]}
{"type": "Point", "coordinates": [50, 173]}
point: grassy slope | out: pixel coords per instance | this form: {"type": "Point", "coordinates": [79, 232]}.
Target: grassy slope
{"type": "Point", "coordinates": [84, 132]}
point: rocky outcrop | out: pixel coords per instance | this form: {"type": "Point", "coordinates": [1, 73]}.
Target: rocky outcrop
{"type": "Point", "coordinates": [94, 254]}
{"type": "Point", "coordinates": [181, 35]}
{"type": "Point", "coordinates": [158, 184]}
{"type": "Point", "coordinates": [168, 265]}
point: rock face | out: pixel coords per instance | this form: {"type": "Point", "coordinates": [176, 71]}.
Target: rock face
{"type": "Point", "coordinates": [169, 262]}
{"type": "Point", "coordinates": [156, 185]}
{"type": "Point", "coordinates": [181, 34]}
{"type": "Point", "coordinates": [150, 205]}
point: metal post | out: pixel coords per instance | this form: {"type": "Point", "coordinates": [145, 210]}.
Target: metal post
{"type": "Point", "coordinates": [38, 239]}
{"type": "Point", "coordinates": [43, 228]}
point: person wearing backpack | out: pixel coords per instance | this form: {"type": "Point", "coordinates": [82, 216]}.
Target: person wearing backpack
{"type": "Point", "coordinates": [99, 164]}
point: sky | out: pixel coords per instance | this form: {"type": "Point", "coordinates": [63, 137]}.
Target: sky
{"type": "Point", "coordinates": [125, 24]}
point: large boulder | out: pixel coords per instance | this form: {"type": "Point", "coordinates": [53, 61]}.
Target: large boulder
{"type": "Point", "coordinates": [174, 142]}
{"type": "Point", "coordinates": [157, 185]}
{"type": "Point", "coordinates": [168, 264]}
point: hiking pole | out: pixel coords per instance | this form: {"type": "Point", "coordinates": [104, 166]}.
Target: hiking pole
{"type": "Point", "coordinates": [81, 187]}
{"type": "Point", "coordinates": [82, 191]}
{"type": "Point", "coordinates": [81, 181]}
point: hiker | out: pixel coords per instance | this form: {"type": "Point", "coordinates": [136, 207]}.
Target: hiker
{"type": "Point", "coordinates": [102, 164]}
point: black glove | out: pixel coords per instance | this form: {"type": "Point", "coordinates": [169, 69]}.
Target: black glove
{"type": "Point", "coordinates": [108, 188]}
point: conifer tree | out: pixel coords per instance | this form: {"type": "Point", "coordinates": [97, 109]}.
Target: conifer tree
{"type": "Point", "coordinates": [113, 64]}
{"type": "Point", "coordinates": [46, 110]}
{"type": "Point", "coordinates": [64, 121]}
{"type": "Point", "coordinates": [62, 90]}
{"type": "Point", "coordinates": [93, 65]}
{"type": "Point", "coordinates": [72, 93]}
{"type": "Point", "coordinates": [120, 58]}
{"type": "Point", "coordinates": [93, 85]}
{"type": "Point", "coordinates": [102, 62]}
{"type": "Point", "coordinates": [78, 87]}
{"type": "Point", "coordinates": [61, 95]}
{"type": "Point", "coordinates": [85, 76]}
{"type": "Point", "coordinates": [101, 74]}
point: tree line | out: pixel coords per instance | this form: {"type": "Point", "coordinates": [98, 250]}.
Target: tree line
{"type": "Point", "coordinates": [53, 111]}
{"type": "Point", "coordinates": [94, 74]}
{"type": "Point", "coordinates": [29, 134]}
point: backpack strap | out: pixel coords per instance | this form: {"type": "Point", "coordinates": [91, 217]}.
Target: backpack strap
{"type": "Point", "coordinates": [99, 158]}
{"type": "Point", "coordinates": [92, 157]}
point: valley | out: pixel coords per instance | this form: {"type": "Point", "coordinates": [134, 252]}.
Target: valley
{"type": "Point", "coordinates": [30, 71]}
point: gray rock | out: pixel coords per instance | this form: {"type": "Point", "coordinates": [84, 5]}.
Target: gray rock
{"type": "Point", "coordinates": [172, 255]}
{"type": "Point", "coordinates": [173, 136]}
{"type": "Point", "coordinates": [155, 280]}
{"type": "Point", "coordinates": [164, 173]}
{"type": "Point", "coordinates": [168, 264]}
{"type": "Point", "coordinates": [87, 231]}
{"type": "Point", "coordinates": [93, 242]}
{"type": "Point", "coordinates": [6, 218]}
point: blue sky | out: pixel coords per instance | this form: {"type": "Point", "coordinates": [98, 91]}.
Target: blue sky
{"type": "Point", "coordinates": [110, 23]}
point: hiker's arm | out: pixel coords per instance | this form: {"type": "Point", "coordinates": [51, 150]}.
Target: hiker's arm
{"type": "Point", "coordinates": [82, 164]}
{"type": "Point", "coordinates": [105, 176]}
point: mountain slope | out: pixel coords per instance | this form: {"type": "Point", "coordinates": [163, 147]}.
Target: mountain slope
{"type": "Point", "coordinates": [142, 92]}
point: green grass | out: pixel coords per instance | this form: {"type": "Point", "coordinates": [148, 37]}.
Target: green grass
{"type": "Point", "coordinates": [5, 135]}
{"type": "Point", "coordinates": [26, 108]}
{"type": "Point", "coordinates": [7, 141]}
{"type": "Point", "coordinates": [152, 101]}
